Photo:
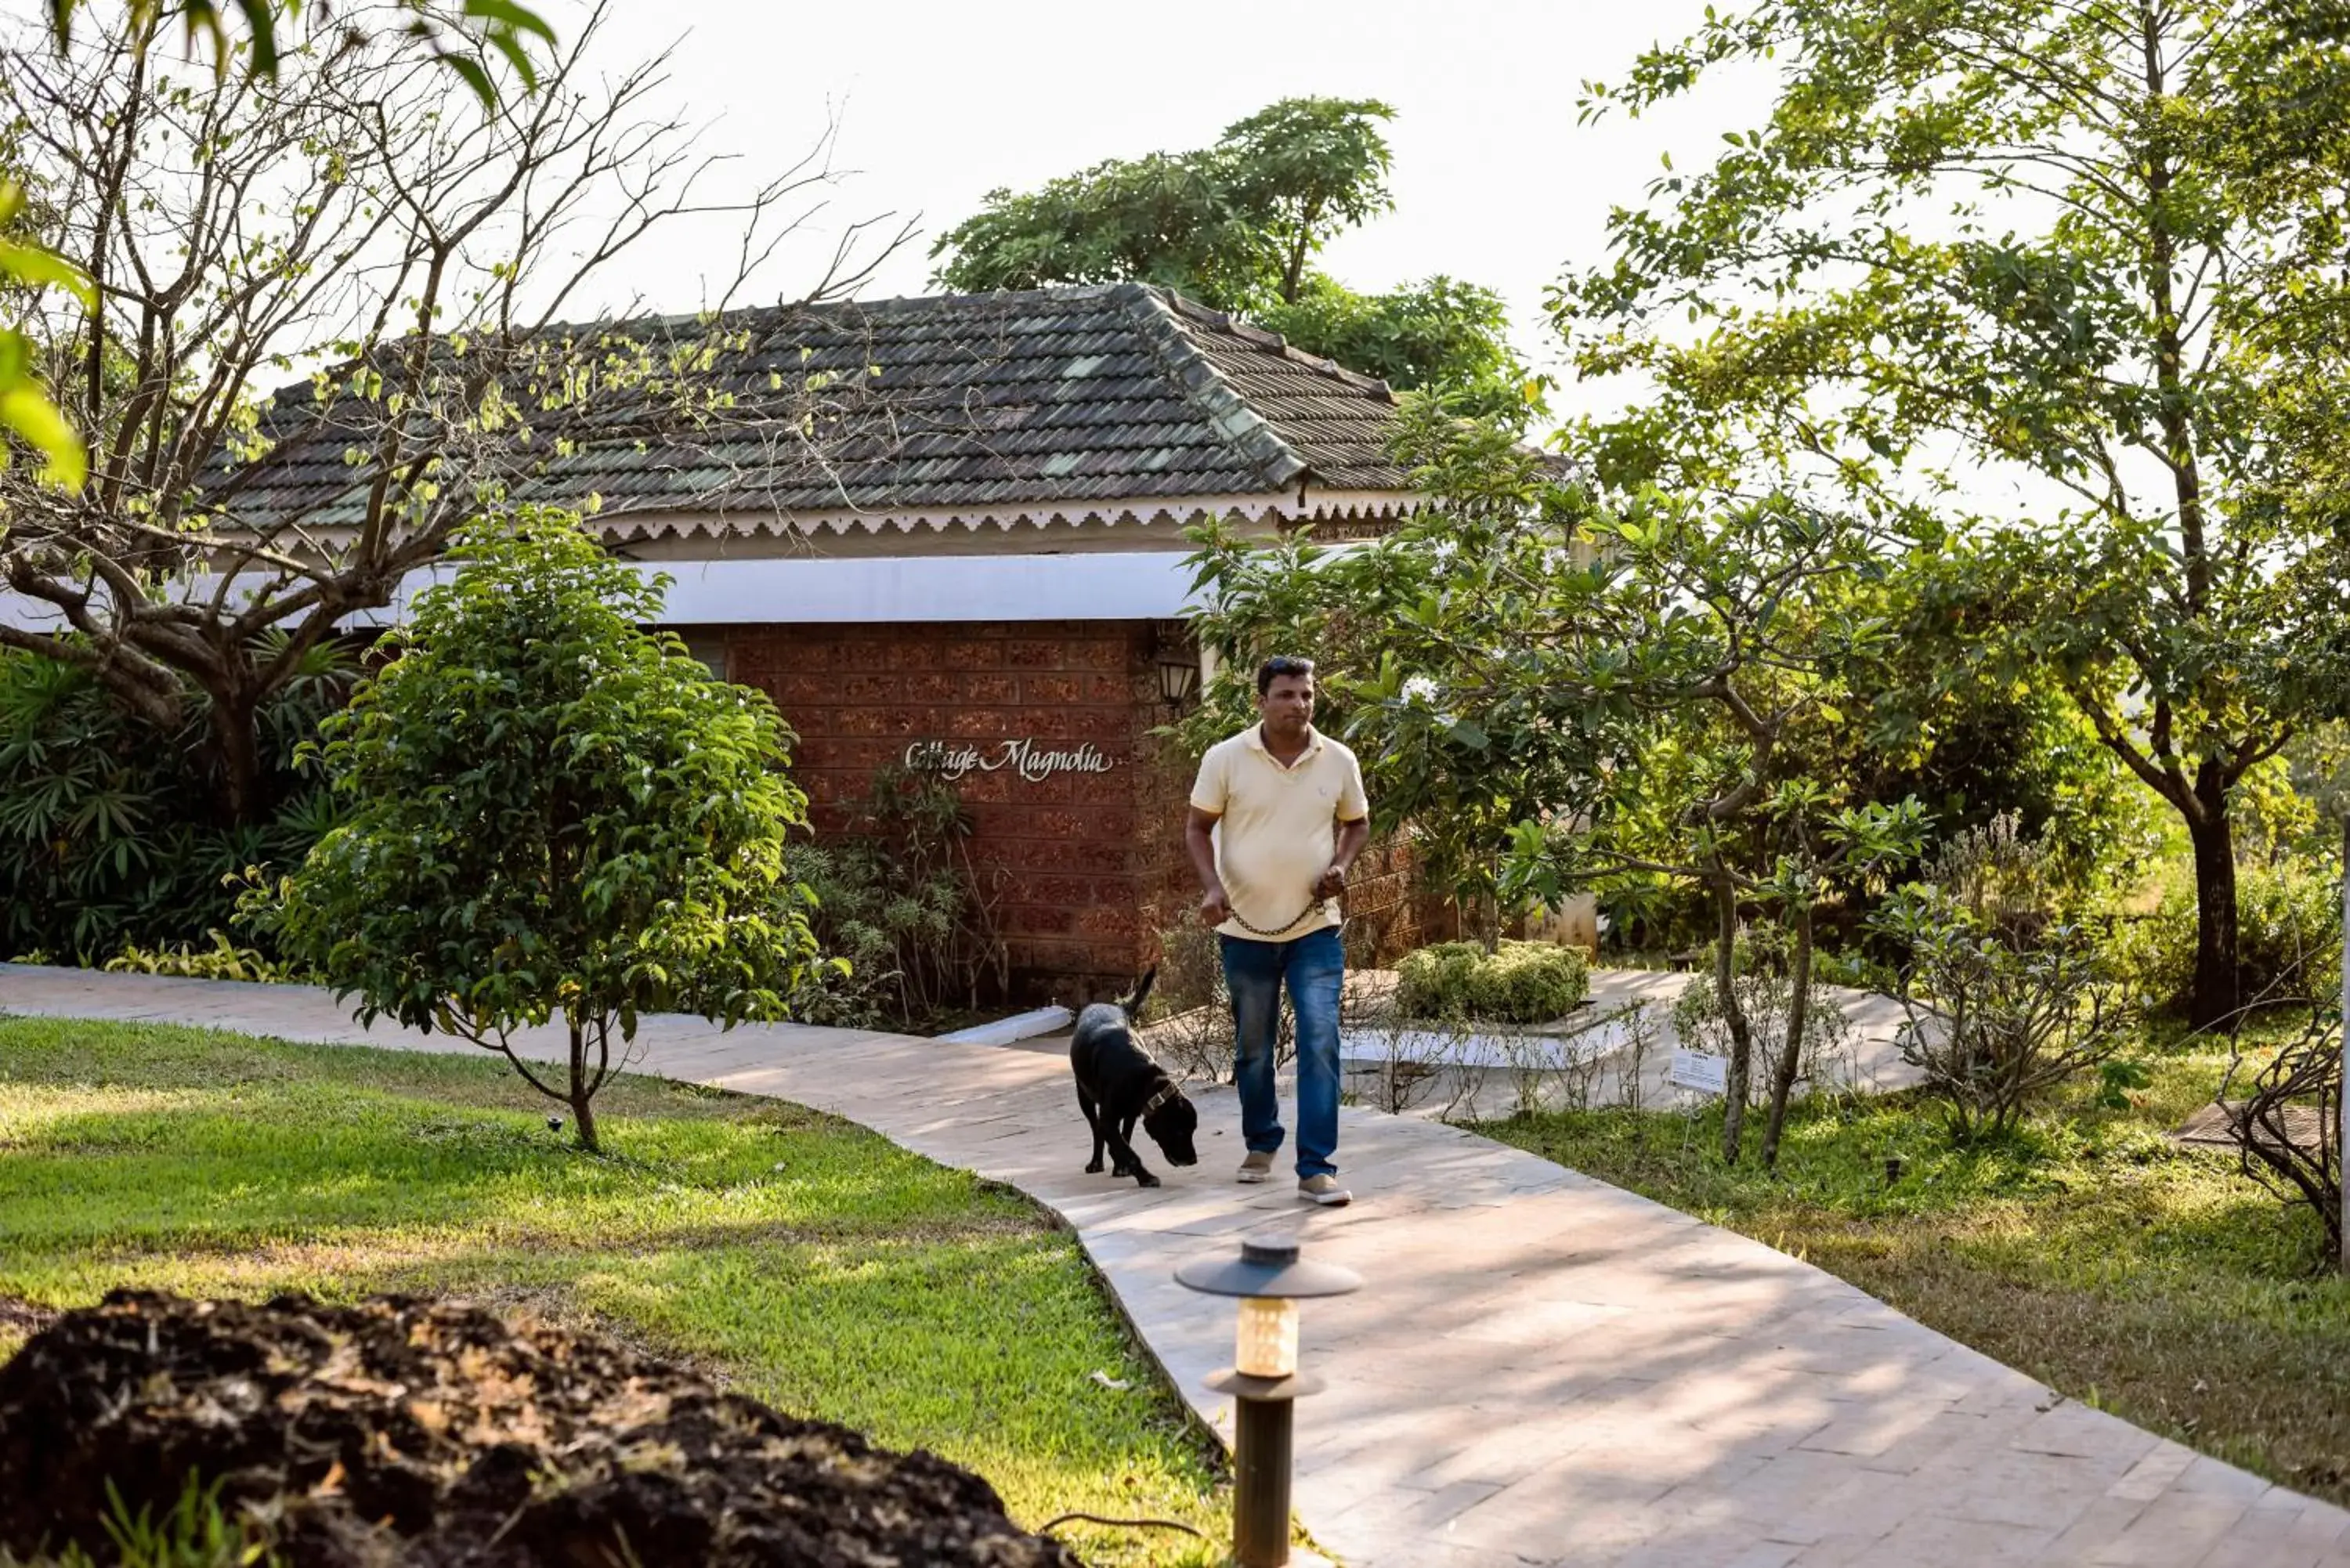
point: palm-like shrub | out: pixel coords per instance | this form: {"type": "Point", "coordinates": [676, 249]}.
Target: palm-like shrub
{"type": "Point", "coordinates": [107, 837]}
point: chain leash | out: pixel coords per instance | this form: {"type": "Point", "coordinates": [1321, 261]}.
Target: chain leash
{"type": "Point", "coordinates": [1281, 931]}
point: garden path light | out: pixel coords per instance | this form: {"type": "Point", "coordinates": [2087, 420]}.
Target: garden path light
{"type": "Point", "coordinates": [1270, 1281]}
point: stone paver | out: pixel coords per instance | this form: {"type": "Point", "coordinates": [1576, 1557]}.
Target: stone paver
{"type": "Point", "coordinates": [1543, 1369]}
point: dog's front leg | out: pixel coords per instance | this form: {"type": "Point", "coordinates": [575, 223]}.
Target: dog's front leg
{"type": "Point", "coordinates": [1093, 1120]}
{"type": "Point", "coordinates": [1128, 1162]}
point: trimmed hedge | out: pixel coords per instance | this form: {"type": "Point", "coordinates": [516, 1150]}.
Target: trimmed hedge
{"type": "Point", "coordinates": [1522, 982]}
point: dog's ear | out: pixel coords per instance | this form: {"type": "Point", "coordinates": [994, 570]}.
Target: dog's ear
{"type": "Point", "coordinates": [1132, 1005]}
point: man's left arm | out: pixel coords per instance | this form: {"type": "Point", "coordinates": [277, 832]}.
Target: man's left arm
{"type": "Point", "coordinates": [1354, 831]}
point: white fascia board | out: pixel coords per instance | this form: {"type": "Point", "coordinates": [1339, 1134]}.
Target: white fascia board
{"type": "Point", "coordinates": [877, 591]}
{"type": "Point", "coordinates": [1122, 585]}
{"type": "Point", "coordinates": [896, 589]}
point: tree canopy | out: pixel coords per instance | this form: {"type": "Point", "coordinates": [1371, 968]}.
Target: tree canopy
{"type": "Point", "coordinates": [1559, 695]}
{"type": "Point", "coordinates": [1237, 225]}
{"type": "Point", "coordinates": [461, 38]}
{"type": "Point", "coordinates": [359, 217]}
{"type": "Point", "coordinates": [2087, 253]}
{"type": "Point", "coordinates": [552, 814]}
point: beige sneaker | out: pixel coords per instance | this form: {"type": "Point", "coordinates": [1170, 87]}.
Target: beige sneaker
{"type": "Point", "coordinates": [1325, 1190]}
{"type": "Point", "coordinates": [1256, 1167]}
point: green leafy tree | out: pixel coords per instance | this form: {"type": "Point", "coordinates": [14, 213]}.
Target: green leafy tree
{"type": "Point", "coordinates": [1439, 335]}
{"type": "Point", "coordinates": [2083, 252]}
{"type": "Point", "coordinates": [357, 216]}
{"type": "Point", "coordinates": [552, 813]}
{"type": "Point", "coordinates": [1303, 168]}
{"type": "Point", "coordinates": [460, 38]}
{"type": "Point", "coordinates": [1557, 696]}
{"type": "Point", "coordinates": [1237, 226]}
{"type": "Point", "coordinates": [1976, 740]}
{"type": "Point", "coordinates": [1232, 225]}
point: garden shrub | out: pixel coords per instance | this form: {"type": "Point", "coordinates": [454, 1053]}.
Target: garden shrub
{"type": "Point", "coordinates": [2004, 1002]}
{"type": "Point", "coordinates": [222, 960]}
{"type": "Point", "coordinates": [2288, 937]}
{"type": "Point", "coordinates": [1519, 982]}
{"type": "Point", "coordinates": [108, 836]}
{"type": "Point", "coordinates": [900, 897]}
{"type": "Point", "coordinates": [1759, 975]}
{"type": "Point", "coordinates": [552, 815]}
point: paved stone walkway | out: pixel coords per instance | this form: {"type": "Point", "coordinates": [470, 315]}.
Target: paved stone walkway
{"type": "Point", "coordinates": [1544, 1369]}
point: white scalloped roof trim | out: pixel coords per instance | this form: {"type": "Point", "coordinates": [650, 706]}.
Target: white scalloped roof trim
{"type": "Point", "coordinates": [636, 526]}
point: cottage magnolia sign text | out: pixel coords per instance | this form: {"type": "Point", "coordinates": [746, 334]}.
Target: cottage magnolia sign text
{"type": "Point", "coordinates": [1031, 761]}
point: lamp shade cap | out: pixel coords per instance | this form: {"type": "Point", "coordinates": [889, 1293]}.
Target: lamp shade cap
{"type": "Point", "coordinates": [1269, 1265]}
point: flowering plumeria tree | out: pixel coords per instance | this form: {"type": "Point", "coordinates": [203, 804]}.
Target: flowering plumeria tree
{"type": "Point", "coordinates": [1557, 696]}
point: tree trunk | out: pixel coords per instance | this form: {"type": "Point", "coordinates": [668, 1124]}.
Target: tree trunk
{"type": "Point", "coordinates": [1487, 921]}
{"type": "Point", "coordinates": [245, 796]}
{"type": "Point", "coordinates": [1734, 1109]}
{"type": "Point", "coordinates": [583, 1108]}
{"type": "Point", "coordinates": [1791, 1053]}
{"type": "Point", "coordinates": [2215, 999]}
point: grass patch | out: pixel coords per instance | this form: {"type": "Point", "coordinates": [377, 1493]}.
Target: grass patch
{"type": "Point", "coordinates": [795, 1256]}
{"type": "Point", "coordinates": [2157, 1282]}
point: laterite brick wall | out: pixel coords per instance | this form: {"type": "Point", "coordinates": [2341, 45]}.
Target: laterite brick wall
{"type": "Point", "coordinates": [1089, 866]}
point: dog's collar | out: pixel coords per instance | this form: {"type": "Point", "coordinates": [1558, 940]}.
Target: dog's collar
{"type": "Point", "coordinates": [1162, 1098]}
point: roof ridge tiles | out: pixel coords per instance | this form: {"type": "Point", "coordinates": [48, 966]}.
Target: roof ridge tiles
{"type": "Point", "coordinates": [1209, 391]}
{"type": "Point", "coordinates": [1248, 332]}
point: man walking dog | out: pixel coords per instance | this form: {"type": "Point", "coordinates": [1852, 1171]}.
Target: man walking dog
{"type": "Point", "coordinates": [1277, 816]}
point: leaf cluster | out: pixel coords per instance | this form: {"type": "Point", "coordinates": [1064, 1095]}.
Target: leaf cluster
{"type": "Point", "coordinates": [1237, 225]}
{"type": "Point", "coordinates": [1221, 224]}
{"type": "Point", "coordinates": [106, 841]}
{"type": "Point", "coordinates": [550, 812]}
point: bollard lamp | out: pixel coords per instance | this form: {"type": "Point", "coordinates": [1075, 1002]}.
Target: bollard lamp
{"type": "Point", "coordinates": [1264, 1381]}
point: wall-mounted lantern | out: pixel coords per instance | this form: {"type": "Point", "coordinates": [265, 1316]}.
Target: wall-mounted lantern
{"type": "Point", "coordinates": [1264, 1380]}
{"type": "Point", "coordinates": [1179, 674]}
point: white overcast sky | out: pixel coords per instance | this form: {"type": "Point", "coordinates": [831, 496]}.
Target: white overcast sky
{"type": "Point", "coordinates": [940, 101]}
{"type": "Point", "coordinates": [1495, 180]}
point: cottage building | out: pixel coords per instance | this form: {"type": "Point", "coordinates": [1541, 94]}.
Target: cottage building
{"type": "Point", "coordinates": [976, 561]}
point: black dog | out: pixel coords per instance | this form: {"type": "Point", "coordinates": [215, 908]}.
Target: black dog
{"type": "Point", "coordinates": [1119, 1085]}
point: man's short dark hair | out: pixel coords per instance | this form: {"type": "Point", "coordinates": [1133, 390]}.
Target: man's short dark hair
{"type": "Point", "coordinates": [1279, 665]}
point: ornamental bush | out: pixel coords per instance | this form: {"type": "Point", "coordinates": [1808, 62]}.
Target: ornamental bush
{"type": "Point", "coordinates": [109, 838]}
{"type": "Point", "coordinates": [900, 900]}
{"type": "Point", "coordinates": [1519, 982]}
{"type": "Point", "coordinates": [553, 813]}
{"type": "Point", "coordinates": [2288, 938]}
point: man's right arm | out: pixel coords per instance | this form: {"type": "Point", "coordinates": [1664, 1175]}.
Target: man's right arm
{"type": "Point", "coordinates": [1199, 828]}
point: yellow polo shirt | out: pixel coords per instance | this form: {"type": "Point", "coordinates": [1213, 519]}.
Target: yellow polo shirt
{"type": "Point", "coordinates": [1277, 829]}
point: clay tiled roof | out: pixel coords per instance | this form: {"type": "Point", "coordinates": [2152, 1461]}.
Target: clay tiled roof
{"type": "Point", "coordinates": [1059, 400]}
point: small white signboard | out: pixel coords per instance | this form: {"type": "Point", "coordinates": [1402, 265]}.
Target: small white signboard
{"type": "Point", "coordinates": [1701, 1071]}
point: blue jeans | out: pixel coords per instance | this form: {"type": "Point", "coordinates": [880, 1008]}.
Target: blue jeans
{"type": "Point", "coordinates": [1312, 966]}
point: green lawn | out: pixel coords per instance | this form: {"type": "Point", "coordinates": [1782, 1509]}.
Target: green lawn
{"type": "Point", "coordinates": [2156, 1283]}
{"type": "Point", "coordinates": [803, 1259]}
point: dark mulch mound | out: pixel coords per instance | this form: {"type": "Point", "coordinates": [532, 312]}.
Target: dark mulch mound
{"type": "Point", "coordinates": [434, 1433]}
{"type": "Point", "coordinates": [25, 1316]}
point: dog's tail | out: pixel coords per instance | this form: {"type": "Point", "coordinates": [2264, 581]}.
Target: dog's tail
{"type": "Point", "coordinates": [1132, 1005]}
